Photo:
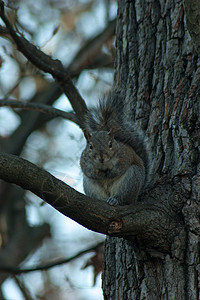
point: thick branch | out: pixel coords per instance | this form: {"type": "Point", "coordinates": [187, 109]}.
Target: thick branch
{"type": "Point", "coordinates": [49, 65]}
{"type": "Point", "coordinates": [152, 223]}
{"type": "Point", "coordinates": [46, 109]}
{"type": "Point", "coordinates": [192, 9]}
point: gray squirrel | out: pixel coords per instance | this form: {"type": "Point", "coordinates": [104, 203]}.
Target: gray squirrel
{"type": "Point", "coordinates": [114, 162]}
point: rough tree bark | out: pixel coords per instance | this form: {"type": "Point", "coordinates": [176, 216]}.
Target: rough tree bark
{"type": "Point", "coordinates": [159, 67]}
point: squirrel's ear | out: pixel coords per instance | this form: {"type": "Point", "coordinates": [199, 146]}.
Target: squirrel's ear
{"type": "Point", "coordinates": [87, 134]}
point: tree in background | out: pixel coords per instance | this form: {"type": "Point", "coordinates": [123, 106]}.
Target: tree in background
{"type": "Point", "coordinates": [72, 32]}
{"type": "Point", "coordinates": [153, 251]}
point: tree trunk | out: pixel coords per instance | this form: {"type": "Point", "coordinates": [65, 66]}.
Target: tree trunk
{"type": "Point", "coordinates": [157, 71]}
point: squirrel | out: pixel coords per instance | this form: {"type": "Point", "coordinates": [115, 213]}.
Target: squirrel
{"type": "Point", "coordinates": [114, 162]}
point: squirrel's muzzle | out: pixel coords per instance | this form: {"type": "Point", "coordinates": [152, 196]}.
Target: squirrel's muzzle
{"type": "Point", "coordinates": [101, 158]}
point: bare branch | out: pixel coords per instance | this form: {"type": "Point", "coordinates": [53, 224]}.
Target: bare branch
{"type": "Point", "coordinates": [153, 223]}
{"type": "Point", "coordinates": [90, 55]}
{"type": "Point", "coordinates": [46, 109]}
{"type": "Point", "coordinates": [49, 65]}
{"type": "Point", "coordinates": [25, 292]}
{"type": "Point", "coordinates": [13, 270]}
{"type": "Point", "coordinates": [13, 254]}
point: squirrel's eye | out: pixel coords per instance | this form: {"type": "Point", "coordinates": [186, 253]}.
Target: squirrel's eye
{"type": "Point", "coordinates": [90, 146]}
{"type": "Point", "coordinates": [110, 145]}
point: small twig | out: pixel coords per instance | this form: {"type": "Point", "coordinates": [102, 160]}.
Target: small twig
{"type": "Point", "coordinates": [49, 65]}
{"type": "Point", "coordinates": [46, 109]}
{"type": "Point", "coordinates": [23, 288]}
{"type": "Point", "coordinates": [13, 270]}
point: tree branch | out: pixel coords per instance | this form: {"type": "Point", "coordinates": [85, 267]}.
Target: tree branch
{"type": "Point", "coordinates": [13, 270]}
{"type": "Point", "coordinates": [153, 223]}
{"type": "Point", "coordinates": [13, 254]}
{"type": "Point", "coordinates": [90, 54]}
{"type": "Point", "coordinates": [49, 65]}
{"type": "Point", "coordinates": [21, 285]}
{"type": "Point", "coordinates": [46, 109]}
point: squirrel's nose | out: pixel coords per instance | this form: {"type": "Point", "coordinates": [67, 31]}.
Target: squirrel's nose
{"type": "Point", "coordinates": [101, 158]}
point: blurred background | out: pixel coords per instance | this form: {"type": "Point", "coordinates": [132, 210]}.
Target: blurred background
{"type": "Point", "coordinates": [80, 33]}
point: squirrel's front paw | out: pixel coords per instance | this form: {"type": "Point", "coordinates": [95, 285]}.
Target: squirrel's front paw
{"type": "Point", "coordinates": [112, 201]}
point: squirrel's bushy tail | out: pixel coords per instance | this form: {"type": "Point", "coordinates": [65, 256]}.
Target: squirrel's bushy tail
{"type": "Point", "coordinates": [107, 115]}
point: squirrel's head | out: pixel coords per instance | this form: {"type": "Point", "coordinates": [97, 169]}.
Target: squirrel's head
{"type": "Point", "coordinates": [101, 145]}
